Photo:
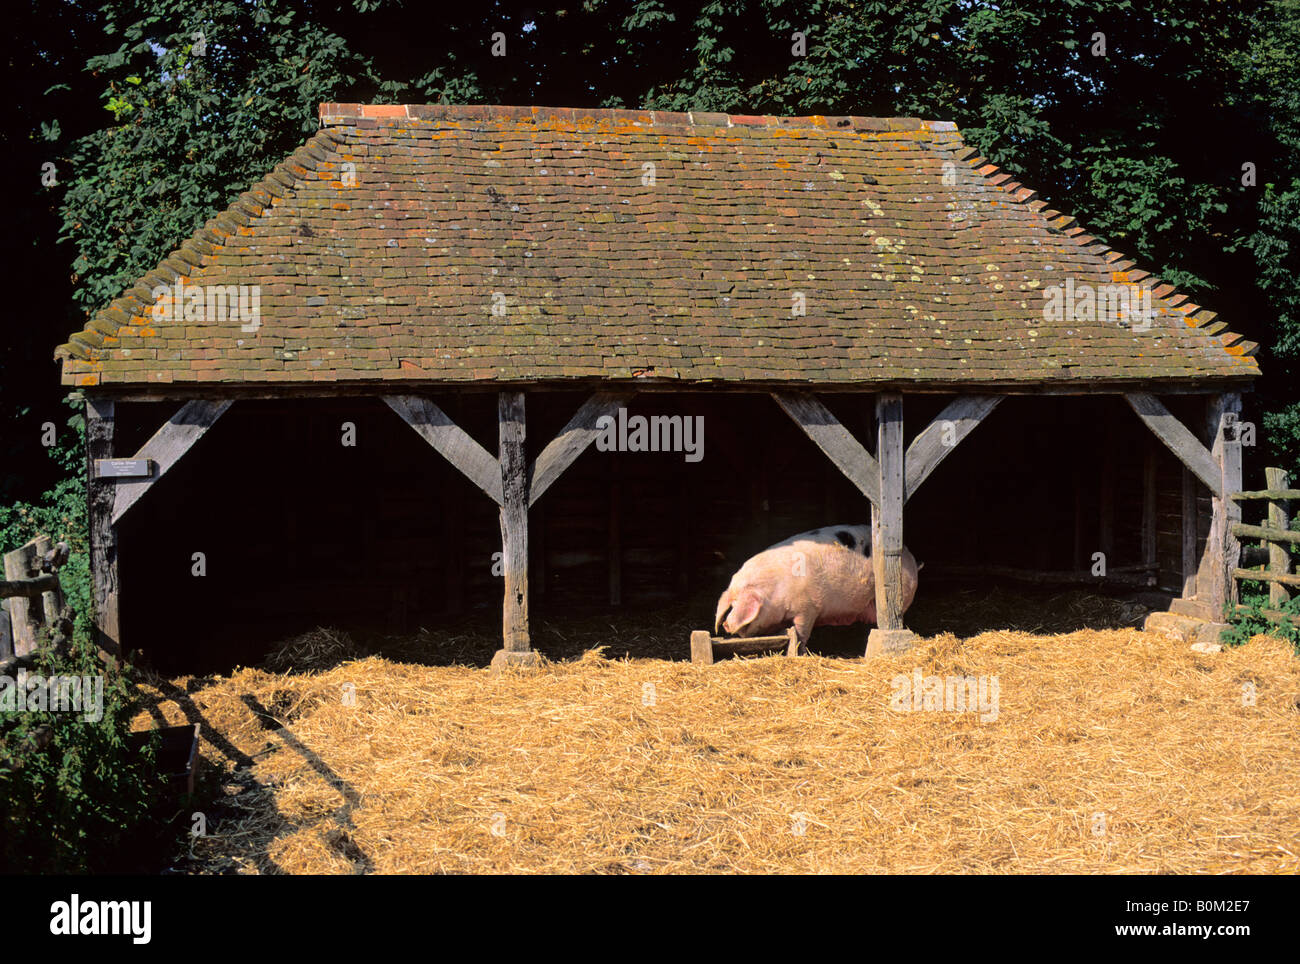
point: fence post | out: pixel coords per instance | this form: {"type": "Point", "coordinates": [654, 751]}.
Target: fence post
{"type": "Point", "coordinates": [1279, 517]}
{"type": "Point", "coordinates": [26, 614]}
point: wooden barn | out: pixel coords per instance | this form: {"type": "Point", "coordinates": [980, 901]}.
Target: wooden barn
{"type": "Point", "coordinates": [444, 356]}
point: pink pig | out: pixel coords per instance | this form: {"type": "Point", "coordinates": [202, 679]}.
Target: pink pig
{"type": "Point", "coordinates": [818, 578]}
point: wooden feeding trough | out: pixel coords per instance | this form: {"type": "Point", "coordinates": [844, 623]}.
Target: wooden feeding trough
{"type": "Point", "coordinates": [178, 755]}
{"type": "Point", "coordinates": [705, 647]}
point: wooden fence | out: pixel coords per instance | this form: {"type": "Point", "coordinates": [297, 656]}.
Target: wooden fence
{"type": "Point", "coordinates": [1274, 535]}
{"type": "Point", "coordinates": [31, 600]}
{"type": "Point", "coordinates": [35, 599]}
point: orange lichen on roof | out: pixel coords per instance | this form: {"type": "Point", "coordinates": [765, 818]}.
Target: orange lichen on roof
{"type": "Point", "coordinates": [471, 233]}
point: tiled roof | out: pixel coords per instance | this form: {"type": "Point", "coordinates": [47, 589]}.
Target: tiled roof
{"type": "Point", "coordinates": [441, 244]}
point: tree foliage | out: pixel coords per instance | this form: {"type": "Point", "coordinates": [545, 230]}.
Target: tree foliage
{"type": "Point", "coordinates": [1136, 118]}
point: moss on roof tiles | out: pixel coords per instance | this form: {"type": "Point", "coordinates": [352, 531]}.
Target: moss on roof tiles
{"type": "Point", "coordinates": [549, 243]}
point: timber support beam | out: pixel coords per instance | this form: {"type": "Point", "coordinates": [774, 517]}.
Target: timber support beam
{"type": "Point", "coordinates": [1177, 438]}
{"type": "Point", "coordinates": [837, 442]}
{"type": "Point", "coordinates": [511, 482]}
{"type": "Point", "coordinates": [1208, 584]}
{"type": "Point", "coordinates": [887, 530]}
{"type": "Point", "coordinates": [115, 485]}
{"type": "Point", "coordinates": [177, 436]}
{"type": "Point", "coordinates": [100, 424]}
{"type": "Point", "coordinates": [959, 418]}
{"type": "Point", "coordinates": [888, 480]}
{"type": "Point", "coordinates": [514, 530]}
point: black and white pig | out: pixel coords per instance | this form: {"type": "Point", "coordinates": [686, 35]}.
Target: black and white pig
{"type": "Point", "coordinates": [819, 578]}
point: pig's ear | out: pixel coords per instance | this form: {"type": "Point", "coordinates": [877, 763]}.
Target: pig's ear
{"type": "Point", "coordinates": [745, 609]}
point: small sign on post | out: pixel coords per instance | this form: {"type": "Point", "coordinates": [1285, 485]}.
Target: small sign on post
{"type": "Point", "coordinates": [123, 468]}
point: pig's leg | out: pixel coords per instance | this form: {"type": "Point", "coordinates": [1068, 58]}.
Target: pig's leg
{"type": "Point", "coordinates": [803, 625]}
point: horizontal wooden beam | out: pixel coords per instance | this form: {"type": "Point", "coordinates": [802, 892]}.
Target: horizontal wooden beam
{"type": "Point", "coordinates": [959, 418]}
{"type": "Point", "coordinates": [1253, 575]}
{"type": "Point", "coordinates": [1276, 615]}
{"type": "Point", "coordinates": [29, 588]}
{"type": "Point", "coordinates": [1178, 439]}
{"type": "Point", "coordinates": [1277, 495]}
{"type": "Point", "coordinates": [572, 440]}
{"type": "Point", "coordinates": [450, 441]}
{"type": "Point", "coordinates": [836, 441]}
{"type": "Point", "coordinates": [165, 449]}
{"type": "Point", "coordinates": [1263, 532]}
{"type": "Point", "coordinates": [292, 391]}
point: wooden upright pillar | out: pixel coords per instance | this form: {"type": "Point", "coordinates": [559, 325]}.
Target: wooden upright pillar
{"type": "Point", "coordinates": [1149, 517]}
{"type": "Point", "coordinates": [887, 529]}
{"type": "Point", "coordinates": [1214, 583]}
{"type": "Point", "coordinates": [1106, 493]}
{"type": "Point", "coordinates": [1189, 522]}
{"type": "Point", "coordinates": [1278, 518]}
{"type": "Point", "coordinates": [514, 519]}
{"type": "Point", "coordinates": [887, 515]}
{"type": "Point", "coordinates": [101, 495]}
{"type": "Point", "coordinates": [614, 552]}
{"type": "Point", "coordinates": [514, 528]}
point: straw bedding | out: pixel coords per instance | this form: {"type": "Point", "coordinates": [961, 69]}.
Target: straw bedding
{"type": "Point", "coordinates": [594, 765]}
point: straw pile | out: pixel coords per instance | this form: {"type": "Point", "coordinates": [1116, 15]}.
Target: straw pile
{"type": "Point", "coordinates": [1113, 751]}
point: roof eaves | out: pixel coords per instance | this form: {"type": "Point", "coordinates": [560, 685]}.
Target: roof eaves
{"type": "Point", "coordinates": [1124, 270]}
{"type": "Point", "coordinates": [279, 183]}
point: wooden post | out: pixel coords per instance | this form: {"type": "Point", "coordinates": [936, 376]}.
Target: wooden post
{"type": "Point", "coordinates": [702, 647]}
{"type": "Point", "coordinates": [1231, 461]}
{"type": "Point", "coordinates": [1279, 517]}
{"type": "Point", "coordinates": [101, 495]}
{"type": "Point", "coordinates": [828, 494]}
{"type": "Point", "coordinates": [615, 543]}
{"type": "Point", "coordinates": [33, 607]}
{"type": "Point", "coordinates": [514, 520]}
{"type": "Point", "coordinates": [887, 517]}
{"type": "Point", "coordinates": [1189, 524]}
{"type": "Point", "coordinates": [453, 503]}
{"type": "Point", "coordinates": [1080, 554]}
{"type": "Point", "coordinates": [685, 523]}
{"type": "Point", "coordinates": [1207, 582]}
{"type": "Point", "coordinates": [25, 612]}
{"type": "Point", "coordinates": [887, 530]}
{"type": "Point", "coordinates": [1106, 495]}
{"type": "Point", "coordinates": [51, 600]}
{"type": "Point", "coordinates": [1149, 513]}
{"type": "Point", "coordinates": [1214, 581]}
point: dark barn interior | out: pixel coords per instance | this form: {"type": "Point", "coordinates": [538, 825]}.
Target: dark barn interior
{"type": "Point", "coordinates": [299, 530]}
